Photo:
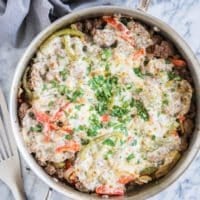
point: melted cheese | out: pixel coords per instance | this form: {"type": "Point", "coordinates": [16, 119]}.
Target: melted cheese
{"type": "Point", "coordinates": [142, 143]}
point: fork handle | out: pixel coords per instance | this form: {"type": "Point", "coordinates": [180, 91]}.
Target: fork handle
{"type": "Point", "coordinates": [18, 192]}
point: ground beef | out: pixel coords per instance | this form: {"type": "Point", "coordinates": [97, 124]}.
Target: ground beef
{"type": "Point", "coordinates": [184, 143]}
{"type": "Point", "coordinates": [60, 173]}
{"type": "Point", "coordinates": [89, 26]}
{"type": "Point", "coordinates": [22, 110]}
{"type": "Point", "coordinates": [50, 169]}
{"type": "Point", "coordinates": [79, 26]}
{"type": "Point", "coordinates": [188, 126]}
{"type": "Point", "coordinates": [157, 39]}
{"type": "Point", "coordinates": [161, 48]}
{"type": "Point", "coordinates": [164, 50]}
{"type": "Point", "coordinates": [81, 187]}
{"type": "Point", "coordinates": [41, 163]}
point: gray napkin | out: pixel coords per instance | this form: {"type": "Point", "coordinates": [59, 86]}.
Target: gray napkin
{"type": "Point", "coordinates": [22, 20]}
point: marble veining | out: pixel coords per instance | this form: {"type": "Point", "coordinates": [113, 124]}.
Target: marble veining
{"type": "Point", "coordinates": [183, 16]}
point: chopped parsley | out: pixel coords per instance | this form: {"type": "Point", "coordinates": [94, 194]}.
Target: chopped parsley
{"type": "Point", "coordinates": [63, 74]}
{"type": "Point", "coordinates": [165, 100]}
{"type": "Point", "coordinates": [44, 87]}
{"type": "Point", "coordinates": [109, 153]}
{"type": "Point", "coordinates": [54, 83]}
{"type": "Point", "coordinates": [109, 142]}
{"type": "Point", "coordinates": [78, 107]}
{"type": "Point", "coordinates": [106, 54]}
{"type": "Point", "coordinates": [130, 157]}
{"type": "Point", "coordinates": [173, 76]}
{"type": "Point", "coordinates": [74, 95]}
{"type": "Point", "coordinates": [101, 107]}
{"type": "Point", "coordinates": [134, 143]}
{"type": "Point", "coordinates": [94, 126]}
{"type": "Point", "coordinates": [138, 90]}
{"type": "Point", "coordinates": [62, 89]}
{"type": "Point", "coordinates": [92, 132]}
{"type": "Point", "coordinates": [141, 110]}
{"type": "Point", "coordinates": [85, 141]}
{"type": "Point", "coordinates": [82, 128]}
{"type": "Point", "coordinates": [68, 137]}
{"type": "Point", "coordinates": [104, 88]}
{"type": "Point", "coordinates": [138, 72]}
{"type": "Point", "coordinates": [89, 69]}
{"type": "Point", "coordinates": [37, 128]}
{"type": "Point", "coordinates": [118, 111]}
{"type": "Point", "coordinates": [153, 137]}
{"type": "Point", "coordinates": [51, 103]}
{"type": "Point", "coordinates": [118, 126]}
{"type": "Point", "coordinates": [129, 86]}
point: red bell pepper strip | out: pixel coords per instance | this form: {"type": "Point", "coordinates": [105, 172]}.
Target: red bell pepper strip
{"type": "Point", "coordinates": [59, 112]}
{"type": "Point", "coordinates": [178, 62]}
{"type": "Point", "coordinates": [123, 31]}
{"type": "Point", "coordinates": [103, 189]}
{"type": "Point", "coordinates": [42, 117]}
{"type": "Point", "coordinates": [138, 53]}
{"type": "Point", "coordinates": [126, 179]}
{"type": "Point", "coordinates": [70, 146]}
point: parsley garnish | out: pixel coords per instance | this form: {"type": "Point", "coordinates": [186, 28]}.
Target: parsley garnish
{"type": "Point", "coordinates": [118, 111]}
{"type": "Point", "coordinates": [109, 153]}
{"type": "Point", "coordinates": [78, 107]}
{"type": "Point", "coordinates": [109, 142]}
{"type": "Point", "coordinates": [173, 76]}
{"type": "Point", "coordinates": [107, 53]}
{"type": "Point", "coordinates": [63, 74]}
{"type": "Point", "coordinates": [51, 103]}
{"type": "Point", "coordinates": [104, 88]}
{"type": "Point", "coordinates": [153, 137]}
{"type": "Point", "coordinates": [141, 110]}
{"type": "Point", "coordinates": [95, 125]}
{"type": "Point", "coordinates": [130, 157]}
{"type": "Point", "coordinates": [85, 141]}
{"type": "Point", "coordinates": [37, 128]}
{"type": "Point", "coordinates": [134, 143]}
{"type": "Point", "coordinates": [77, 93]}
{"type": "Point", "coordinates": [138, 72]}
{"type": "Point", "coordinates": [62, 89]}
{"type": "Point", "coordinates": [68, 137]}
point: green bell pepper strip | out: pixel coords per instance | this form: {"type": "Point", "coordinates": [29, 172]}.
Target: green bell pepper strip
{"type": "Point", "coordinates": [67, 49]}
{"type": "Point", "coordinates": [148, 170]}
{"type": "Point", "coordinates": [63, 32]}
{"type": "Point", "coordinates": [28, 92]}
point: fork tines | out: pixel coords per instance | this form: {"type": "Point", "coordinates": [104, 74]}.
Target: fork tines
{"type": "Point", "coordinates": [7, 146]}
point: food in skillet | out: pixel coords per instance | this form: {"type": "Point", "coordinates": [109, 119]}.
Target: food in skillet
{"type": "Point", "coordinates": [106, 103]}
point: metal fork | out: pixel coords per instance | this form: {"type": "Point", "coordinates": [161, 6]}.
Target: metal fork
{"type": "Point", "coordinates": [10, 171]}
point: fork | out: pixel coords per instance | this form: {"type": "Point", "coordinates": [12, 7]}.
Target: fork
{"type": "Point", "coordinates": [10, 171]}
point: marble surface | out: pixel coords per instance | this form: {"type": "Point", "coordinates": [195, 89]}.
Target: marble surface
{"type": "Point", "coordinates": [183, 16]}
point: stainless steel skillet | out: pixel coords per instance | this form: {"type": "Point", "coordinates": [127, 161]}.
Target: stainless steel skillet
{"type": "Point", "coordinates": [141, 15]}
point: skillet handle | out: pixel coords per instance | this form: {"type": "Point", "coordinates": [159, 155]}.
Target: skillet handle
{"type": "Point", "coordinates": [143, 5]}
